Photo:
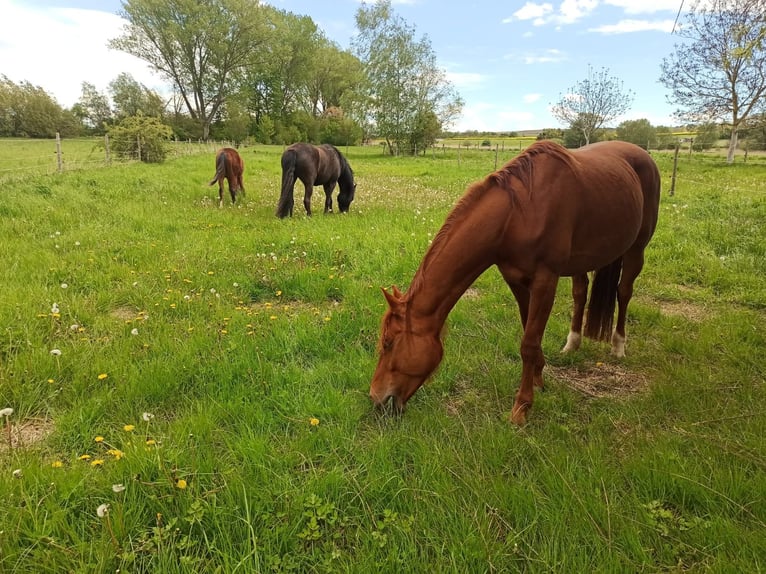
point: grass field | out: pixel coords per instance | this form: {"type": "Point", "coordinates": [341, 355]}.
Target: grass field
{"type": "Point", "coordinates": [204, 373]}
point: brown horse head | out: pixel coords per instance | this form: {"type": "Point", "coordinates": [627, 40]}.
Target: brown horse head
{"type": "Point", "coordinates": [407, 355]}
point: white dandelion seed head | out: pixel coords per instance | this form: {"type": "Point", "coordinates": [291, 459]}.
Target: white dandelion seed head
{"type": "Point", "coordinates": [147, 417]}
{"type": "Point", "coordinates": [134, 332]}
{"type": "Point", "coordinates": [187, 298]}
{"type": "Point", "coordinates": [212, 290]}
{"type": "Point", "coordinates": [236, 284]}
{"type": "Point", "coordinates": [55, 308]}
{"type": "Point", "coordinates": [102, 510]}
{"type": "Point", "coordinates": [56, 352]}
{"type": "Point", "coordinates": [74, 327]}
{"type": "Point", "coordinates": [64, 285]}
{"type": "Point", "coordinates": [18, 473]}
{"type": "Point", "coordinates": [77, 244]}
{"type": "Point", "coordinates": [6, 412]}
{"type": "Point", "coordinates": [118, 487]}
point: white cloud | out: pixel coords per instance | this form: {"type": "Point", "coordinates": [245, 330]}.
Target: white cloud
{"type": "Point", "coordinates": [466, 80]}
{"type": "Point", "coordinates": [627, 26]}
{"type": "Point", "coordinates": [531, 98]}
{"type": "Point", "coordinates": [645, 6]}
{"type": "Point", "coordinates": [571, 11]}
{"type": "Point", "coordinates": [483, 116]}
{"type": "Point", "coordinates": [530, 11]}
{"type": "Point", "coordinates": [77, 51]}
{"type": "Point", "coordinates": [544, 57]}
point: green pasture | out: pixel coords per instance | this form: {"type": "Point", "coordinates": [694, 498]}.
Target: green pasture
{"type": "Point", "coordinates": [204, 373]}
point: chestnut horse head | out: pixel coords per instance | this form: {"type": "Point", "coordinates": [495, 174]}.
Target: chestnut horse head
{"type": "Point", "coordinates": [548, 213]}
{"type": "Point", "coordinates": [407, 357]}
{"type": "Point", "coordinates": [315, 165]}
{"type": "Point", "coordinates": [228, 166]}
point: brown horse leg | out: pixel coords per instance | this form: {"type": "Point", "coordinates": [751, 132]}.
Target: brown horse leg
{"type": "Point", "coordinates": [220, 192]}
{"type": "Point", "coordinates": [520, 292]}
{"type": "Point", "coordinates": [328, 189]}
{"type": "Point", "coordinates": [307, 198]}
{"type": "Point", "coordinates": [632, 263]}
{"type": "Point", "coordinates": [580, 296]}
{"type": "Point", "coordinates": [542, 294]}
{"type": "Point", "coordinates": [233, 191]}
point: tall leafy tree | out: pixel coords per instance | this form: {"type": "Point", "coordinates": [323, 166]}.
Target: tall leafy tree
{"type": "Point", "coordinates": [640, 132]}
{"type": "Point", "coordinates": [592, 103]}
{"type": "Point", "coordinates": [719, 73]}
{"type": "Point", "coordinates": [132, 98]}
{"type": "Point", "coordinates": [93, 108]}
{"type": "Point", "coordinates": [404, 84]}
{"type": "Point", "coordinates": [202, 47]}
{"type": "Point", "coordinates": [29, 111]}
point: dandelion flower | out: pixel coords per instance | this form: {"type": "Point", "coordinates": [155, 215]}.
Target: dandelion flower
{"type": "Point", "coordinates": [18, 473]}
{"type": "Point", "coordinates": [57, 464]}
{"type": "Point", "coordinates": [314, 421]}
{"type": "Point", "coordinates": [150, 442]}
{"type": "Point", "coordinates": [51, 381]}
{"type": "Point", "coordinates": [6, 412]}
{"type": "Point", "coordinates": [236, 284]}
{"type": "Point", "coordinates": [181, 483]}
{"type": "Point", "coordinates": [599, 364]}
{"type": "Point", "coordinates": [55, 308]}
{"type": "Point", "coordinates": [134, 332]}
{"type": "Point", "coordinates": [97, 462]}
{"type": "Point", "coordinates": [84, 457]}
{"type": "Point", "coordinates": [74, 327]}
{"type": "Point", "coordinates": [118, 487]}
{"type": "Point", "coordinates": [116, 453]}
{"type": "Point", "coordinates": [102, 510]}
{"type": "Point", "coordinates": [102, 376]}
{"type": "Point", "coordinates": [129, 428]}
{"type": "Point", "coordinates": [147, 417]}
{"type": "Point", "coordinates": [99, 439]}
{"type": "Point", "coordinates": [279, 293]}
{"type": "Point", "coordinates": [64, 285]}
{"type": "Point", "coordinates": [56, 352]}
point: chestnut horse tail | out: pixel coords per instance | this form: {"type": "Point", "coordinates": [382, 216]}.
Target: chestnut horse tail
{"type": "Point", "coordinates": [285, 205]}
{"type": "Point", "coordinates": [220, 168]}
{"type": "Point", "coordinates": [603, 295]}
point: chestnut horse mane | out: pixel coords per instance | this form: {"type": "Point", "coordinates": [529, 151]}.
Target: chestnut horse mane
{"type": "Point", "coordinates": [520, 167]}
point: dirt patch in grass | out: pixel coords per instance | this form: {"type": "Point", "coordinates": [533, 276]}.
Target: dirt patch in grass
{"type": "Point", "coordinates": [124, 313]}
{"type": "Point", "coordinates": [26, 434]}
{"type": "Point", "coordinates": [601, 380]}
{"type": "Point", "coordinates": [690, 311]}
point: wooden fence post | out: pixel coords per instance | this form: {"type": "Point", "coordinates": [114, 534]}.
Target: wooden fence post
{"type": "Point", "coordinates": [495, 157]}
{"type": "Point", "coordinates": [138, 142]}
{"type": "Point", "coordinates": [106, 148]}
{"type": "Point", "coordinates": [59, 158]}
{"type": "Point", "coordinates": [675, 166]}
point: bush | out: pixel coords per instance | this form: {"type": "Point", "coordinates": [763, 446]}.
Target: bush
{"type": "Point", "coordinates": [140, 137]}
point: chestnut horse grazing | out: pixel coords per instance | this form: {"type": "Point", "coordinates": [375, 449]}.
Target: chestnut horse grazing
{"type": "Point", "coordinates": [547, 213]}
{"type": "Point", "coordinates": [228, 165]}
{"type": "Point", "coordinates": [315, 165]}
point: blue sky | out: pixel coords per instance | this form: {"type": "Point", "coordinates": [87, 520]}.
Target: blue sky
{"type": "Point", "coordinates": [508, 60]}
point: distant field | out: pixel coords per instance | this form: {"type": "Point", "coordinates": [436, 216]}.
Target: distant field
{"type": "Point", "coordinates": [189, 384]}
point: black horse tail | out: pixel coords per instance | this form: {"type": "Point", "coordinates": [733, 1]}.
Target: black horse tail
{"type": "Point", "coordinates": [220, 168]}
{"type": "Point", "coordinates": [285, 205]}
{"type": "Point", "coordinates": [603, 295]}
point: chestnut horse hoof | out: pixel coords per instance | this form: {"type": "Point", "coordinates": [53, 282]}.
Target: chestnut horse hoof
{"type": "Point", "coordinates": [519, 415]}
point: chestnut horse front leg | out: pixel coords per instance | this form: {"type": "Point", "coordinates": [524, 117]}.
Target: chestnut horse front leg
{"type": "Point", "coordinates": [542, 294]}
{"type": "Point", "coordinates": [580, 296]}
{"type": "Point", "coordinates": [328, 189]}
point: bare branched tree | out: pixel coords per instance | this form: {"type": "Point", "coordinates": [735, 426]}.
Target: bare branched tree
{"type": "Point", "coordinates": [720, 73]}
{"type": "Point", "coordinates": [593, 102]}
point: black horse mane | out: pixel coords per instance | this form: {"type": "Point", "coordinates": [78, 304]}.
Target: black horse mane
{"type": "Point", "coordinates": [346, 177]}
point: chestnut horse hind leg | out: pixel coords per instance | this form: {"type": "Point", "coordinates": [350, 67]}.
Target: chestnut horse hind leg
{"type": "Point", "coordinates": [580, 296]}
{"type": "Point", "coordinates": [632, 264]}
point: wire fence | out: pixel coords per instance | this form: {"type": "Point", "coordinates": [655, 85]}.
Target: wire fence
{"type": "Point", "coordinates": [20, 158]}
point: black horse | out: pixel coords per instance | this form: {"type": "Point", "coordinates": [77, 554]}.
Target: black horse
{"type": "Point", "coordinates": [315, 165]}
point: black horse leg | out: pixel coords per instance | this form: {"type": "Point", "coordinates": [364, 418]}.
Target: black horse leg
{"type": "Point", "coordinates": [328, 189]}
{"type": "Point", "coordinates": [307, 198]}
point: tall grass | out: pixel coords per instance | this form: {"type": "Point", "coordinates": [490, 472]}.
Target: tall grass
{"type": "Point", "coordinates": [216, 362]}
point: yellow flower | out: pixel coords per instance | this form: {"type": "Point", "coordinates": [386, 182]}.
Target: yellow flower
{"type": "Point", "coordinates": [102, 376]}
{"type": "Point", "coordinates": [314, 422]}
{"type": "Point", "coordinates": [85, 457]}
{"type": "Point", "coordinates": [150, 442]}
{"type": "Point", "coordinates": [51, 381]}
{"type": "Point", "coordinates": [116, 453]}
{"type": "Point", "coordinates": [279, 293]}
{"type": "Point", "coordinates": [181, 483]}
{"type": "Point", "coordinates": [99, 439]}
{"type": "Point", "coordinates": [97, 462]}
{"type": "Point", "coordinates": [128, 428]}
{"type": "Point", "coordinates": [599, 364]}
{"type": "Point", "coordinates": [57, 464]}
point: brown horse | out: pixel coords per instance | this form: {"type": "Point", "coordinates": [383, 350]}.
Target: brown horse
{"type": "Point", "coordinates": [315, 165]}
{"type": "Point", "coordinates": [228, 165]}
{"type": "Point", "coordinates": [547, 213]}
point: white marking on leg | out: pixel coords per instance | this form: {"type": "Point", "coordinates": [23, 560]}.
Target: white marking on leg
{"type": "Point", "coordinates": [618, 345]}
{"type": "Point", "coordinates": [573, 342]}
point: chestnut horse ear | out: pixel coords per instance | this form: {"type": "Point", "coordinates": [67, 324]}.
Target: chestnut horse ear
{"type": "Point", "coordinates": [398, 294]}
{"type": "Point", "coordinates": [394, 299]}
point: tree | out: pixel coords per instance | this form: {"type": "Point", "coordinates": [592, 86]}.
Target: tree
{"type": "Point", "coordinates": [203, 48]}
{"type": "Point", "coordinates": [403, 83]}
{"type": "Point", "coordinates": [93, 109]}
{"type": "Point", "coordinates": [592, 103]}
{"type": "Point", "coordinates": [719, 74]}
{"type": "Point", "coordinates": [639, 132]}
{"type": "Point", "coordinates": [29, 111]}
{"type": "Point", "coordinates": [131, 98]}
{"type": "Point", "coordinates": [140, 137]}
